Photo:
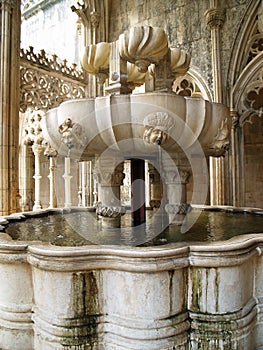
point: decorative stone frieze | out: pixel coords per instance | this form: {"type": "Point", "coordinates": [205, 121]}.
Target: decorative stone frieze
{"type": "Point", "coordinates": [45, 81]}
{"type": "Point", "coordinates": [157, 127]}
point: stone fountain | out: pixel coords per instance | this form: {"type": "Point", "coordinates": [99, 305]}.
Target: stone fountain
{"type": "Point", "coordinates": [173, 296]}
{"type": "Point", "coordinates": [175, 133]}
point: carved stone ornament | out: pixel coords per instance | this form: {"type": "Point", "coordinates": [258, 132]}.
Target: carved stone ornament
{"type": "Point", "coordinates": [45, 81]}
{"type": "Point", "coordinates": [179, 61]}
{"type": "Point", "coordinates": [157, 127]}
{"type": "Point", "coordinates": [110, 212]}
{"type": "Point", "coordinates": [95, 58]}
{"type": "Point", "coordinates": [72, 134]}
{"type": "Point", "coordinates": [221, 141]}
{"type": "Point", "coordinates": [155, 203]}
{"type": "Point", "coordinates": [143, 45]}
{"type": "Point", "coordinates": [182, 208]}
{"type": "Point", "coordinates": [48, 150]}
{"type": "Point", "coordinates": [215, 17]}
{"type": "Point", "coordinates": [32, 127]}
{"type": "Point", "coordinates": [7, 5]}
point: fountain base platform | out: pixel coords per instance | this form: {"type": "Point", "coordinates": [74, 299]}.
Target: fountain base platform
{"type": "Point", "coordinates": [174, 296]}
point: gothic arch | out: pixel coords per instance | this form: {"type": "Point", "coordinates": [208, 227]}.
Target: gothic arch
{"type": "Point", "coordinates": [245, 78]}
{"type": "Point", "coordinates": [243, 42]}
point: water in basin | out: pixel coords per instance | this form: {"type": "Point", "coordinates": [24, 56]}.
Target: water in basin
{"type": "Point", "coordinates": [79, 228]}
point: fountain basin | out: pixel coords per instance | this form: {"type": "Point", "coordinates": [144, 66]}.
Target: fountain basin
{"type": "Point", "coordinates": [118, 122]}
{"type": "Point", "coordinates": [178, 295]}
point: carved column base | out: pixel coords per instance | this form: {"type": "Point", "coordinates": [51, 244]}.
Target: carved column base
{"type": "Point", "coordinates": [110, 216]}
{"type": "Point", "coordinates": [177, 212]}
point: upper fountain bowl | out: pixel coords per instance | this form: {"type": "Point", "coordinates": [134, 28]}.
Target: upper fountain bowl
{"type": "Point", "coordinates": [134, 124]}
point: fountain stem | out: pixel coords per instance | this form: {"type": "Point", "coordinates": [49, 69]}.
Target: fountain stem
{"type": "Point", "coordinates": [138, 191]}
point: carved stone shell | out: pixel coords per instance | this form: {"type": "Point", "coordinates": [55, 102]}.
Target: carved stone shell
{"type": "Point", "coordinates": [95, 57]}
{"type": "Point", "coordinates": [143, 46]}
{"type": "Point", "coordinates": [179, 61]}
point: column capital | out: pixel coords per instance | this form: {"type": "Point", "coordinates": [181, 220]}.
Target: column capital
{"type": "Point", "coordinates": [215, 17]}
{"type": "Point", "coordinates": [7, 5]}
{"type": "Point", "coordinates": [107, 173]}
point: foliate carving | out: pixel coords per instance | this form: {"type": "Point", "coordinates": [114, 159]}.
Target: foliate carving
{"type": "Point", "coordinates": [221, 141]}
{"type": "Point", "coordinates": [143, 45]}
{"type": "Point", "coordinates": [182, 208]}
{"type": "Point", "coordinates": [215, 17]}
{"type": "Point", "coordinates": [110, 212]}
{"type": "Point", "coordinates": [32, 127]}
{"type": "Point", "coordinates": [72, 134]}
{"type": "Point", "coordinates": [105, 173]}
{"type": "Point", "coordinates": [157, 127]}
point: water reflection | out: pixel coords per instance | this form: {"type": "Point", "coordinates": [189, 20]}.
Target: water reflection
{"type": "Point", "coordinates": [83, 228]}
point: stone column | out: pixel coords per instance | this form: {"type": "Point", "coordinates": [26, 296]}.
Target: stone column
{"type": "Point", "coordinates": [235, 159]}
{"type": "Point", "coordinates": [51, 153]}
{"type": "Point", "coordinates": [215, 18]}
{"type": "Point", "coordinates": [9, 103]}
{"type": "Point", "coordinates": [67, 178]}
{"type": "Point", "coordinates": [176, 180]}
{"type": "Point", "coordinates": [37, 150]}
{"type": "Point", "coordinates": [156, 188]}
{"type": "Point", "coordinates": [51, 176]}
{"type": "Point", "coordinates": [109, 178]}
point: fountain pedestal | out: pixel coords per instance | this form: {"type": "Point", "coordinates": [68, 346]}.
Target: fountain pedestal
{"type": "Point", "coordinates": [109, 179]}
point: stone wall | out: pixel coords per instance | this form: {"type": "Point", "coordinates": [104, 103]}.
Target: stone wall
{"type": "Point", "coordinates": [187, 32]}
